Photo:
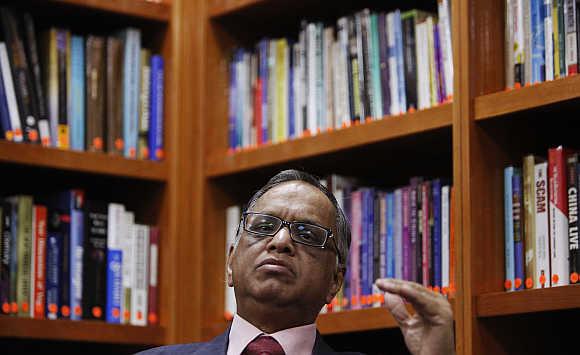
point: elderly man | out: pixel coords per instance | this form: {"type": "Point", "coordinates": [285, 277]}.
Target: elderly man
{"type": "Point", "coordinates": [288, 260]}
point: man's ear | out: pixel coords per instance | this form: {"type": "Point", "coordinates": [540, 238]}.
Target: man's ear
{"type": "Point", "coordinates": [335, 284]}
{"type": "Point", "coordinates": [229, 276]}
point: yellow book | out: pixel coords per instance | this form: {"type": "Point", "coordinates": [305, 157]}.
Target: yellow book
{"type": "Point", "coordinates": [556, 37]}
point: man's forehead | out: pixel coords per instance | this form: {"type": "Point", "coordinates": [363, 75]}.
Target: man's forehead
{"type": "Point", "coordinates": [296, 198]}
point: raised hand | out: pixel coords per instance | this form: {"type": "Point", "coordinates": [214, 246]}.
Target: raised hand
{"type": "Point", "coordinates": [430, 330]}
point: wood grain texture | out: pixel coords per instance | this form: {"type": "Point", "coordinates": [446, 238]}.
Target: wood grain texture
{"type": "Point", "coordinates": [530, 97]}
{"type": "Point", "coordinates": [90, 331]}
{"type": "Point", "coordinates": [94, 163]}
{"type": "Point", "coordinates": [356, 321]}
{"type": "Point", "coordinates": [221, 163]}
{"type": "Point", "coordinates": [150, 10]}
{"type": "Point", "coordinates": [224, 7]}
{"type": "Point", "coordinates": [528, 301]}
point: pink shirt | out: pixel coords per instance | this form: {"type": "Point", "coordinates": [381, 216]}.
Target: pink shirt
{"type": "Point", "coordinates": [294, 341]}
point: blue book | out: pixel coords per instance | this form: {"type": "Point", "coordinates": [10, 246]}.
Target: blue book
{"type": "Point", "coordinates": [382, 196]}
{"type": "Point", "coordinates": [156, 108]}
{"type": "Point", "coordinates": [364, 245]}
{"type": "Point", "coordinates": [390, 197]}
{"type": "Point", "coordinates": [518, 226]}
{"type": "Point", "coordinates": [131, 84]}
{"type": "Point", "coordinates": [400, 60]}
{"type": "Point", "coordinates": [370, 217]}
{"type": "Point", "coordinates": [436, 248]}
{"type": "Point", "coordinates": [115, 229]}
{"type": "Point", "coordinates": [77, 122]}
{"type": "Point", "coordinates": [53, 266]}
{"type": "Point", "coordinates": [263, 77]}
{"type": "Point", "coordinates": [232, 105]}
{"type": "Point", "coordinates": [4, 114]}
{"type": "Point", "coordinates": [77, 233]}
{"type": "Point", "coordinates": [509, 230]}
{"type": "Point", "coordinates": [537, 16]}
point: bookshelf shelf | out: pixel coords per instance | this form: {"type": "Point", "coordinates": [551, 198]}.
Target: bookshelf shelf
{"type": "Point", "coordinates": [528, 301]}
{"type": "Point", "coordinates": [96, 163]}
{"type": "Point", "coordinates": [227, 7]}
{"type": "Point", "coordinates": [157, 11]}
{"type": "Point", "coordinates": [515, 100]}
{"type": "Point", "coordinates": [97, 332]}
{"type": "Point", "coordinates": [328, 142]}
{"type": "Point", "coordinates": [355, 321]}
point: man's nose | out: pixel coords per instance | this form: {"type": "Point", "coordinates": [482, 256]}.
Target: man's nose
{"type": "Point", "coordinates": [282, 242]}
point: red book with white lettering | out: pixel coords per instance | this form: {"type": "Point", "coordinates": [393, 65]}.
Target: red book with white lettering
{"type": "Point", "coordinates": [39, 266]}
{"type": "Point", "coordinates": [153, 312]}
{"type": "Point", "coordinates": [558, 216]}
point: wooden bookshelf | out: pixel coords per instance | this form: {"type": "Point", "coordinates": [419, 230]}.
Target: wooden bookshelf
{"type": "Point", "coordinates": [528, 301]}
{"type": "Point", "coordinates": [526, 98]}
{"type": "Point", "coordinates": [87, 331]}
{"type": "Point", "coordinates": [419, 122]}
{"type": "Point", "coordinates": [225, 7]}
{"type": "Point", "coordinates": [150, 10]}
{"type": "Point", "coordinates": [93, 163]}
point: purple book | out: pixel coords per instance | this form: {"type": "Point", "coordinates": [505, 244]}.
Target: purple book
{"type": "Point", "coordinates": [439, 79]}
{"type": "Point", "coordinates": [406, 235]}
{"type": "Point", "coordinates": [413, 226]}
{"type": "Point", "coordinates": [356, 233]}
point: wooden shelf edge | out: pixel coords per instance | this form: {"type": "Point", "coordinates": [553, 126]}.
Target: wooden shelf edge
{"type": "Point", "coordinates": [86, 331]}
{"type": "Point", "coordinates": [528, 301]}
{"type": "Point", "coordinates": [95, 163]}
{"type": "Point", "coordinates": [149, 10]}
{"type": "Point", "coordinates": [505, 102]}
{"type": "Point", "coordinates": [355, 321]}
{"type": "Point", "coordinates": [232, 7]}
{"type": "Point", "coordinates": [328, 142]}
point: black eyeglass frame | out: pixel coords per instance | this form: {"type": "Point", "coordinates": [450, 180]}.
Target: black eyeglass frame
{"type": "Point", "coordinates": [287, 224]}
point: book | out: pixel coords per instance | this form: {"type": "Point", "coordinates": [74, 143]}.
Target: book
{"type": "Point", "coordinates": [542, 232]}
{"type": "Point", "coordinates": [128, 269]}
{"type": "Point", "coordinates": [78, 96]}
{"type": "Point", "coordinates": [144, 106]}
{"type": "Point", "coordinates": [559, 252]}
{"type": "Point", "coordinates": [95, 261]}
{"type": "Point", "coordinates": [115, 234]}
{"type": "Point", "coordinates": [140, 282]}
{"type": "Point", "coordinates": [510, 272]}
{"type": "Point", "coordinates": [114, 99]}
{"type": "Point", "coordinates": [529, 221]}
{"type": "Point", "coordinates": [156, 128]}
{"type": "Point", "coordinates": [5, 252]}
{"type": "Point", "coordinates": [38, 298]}
{"type": "Point", "coordinates": [77, 236]}
{"type": "Point", "coordinates": [570, 30]}
{"type": "Point", "coordinates": [518, 229]}
{"type": "Point", "coordinates": [572, 194]}
{"type": "Point", "coordinates": [152, 311]}
{"type": "Point", "coordinates": [95, 93]}
{"type": "Point", "coordinates": [15, 133]}
{"type": "Point", "coordinates": [24, 206]}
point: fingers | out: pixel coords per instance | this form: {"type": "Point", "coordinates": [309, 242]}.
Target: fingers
{"type": "Point", "coordinates": [425, 302]}
{"type": "Point", "coordinates": [396, 306]}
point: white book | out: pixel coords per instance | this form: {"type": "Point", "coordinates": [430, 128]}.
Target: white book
{"type": "Point", "coordinates": [549, 40]}
{"type": "Point", "coordinates": [297, 75]}
{"type": "Point", "coordinates": [311, 75]}
{"type": "Point", "coordinates": [127, 246]}
{"type": "Point", "coordinates": [445, 262]}
{"type": "Point", "coordinates": [329, 82]}
{"type": "Point", "coordinates": [233, 214]}
{"type": "Point", "coordinates": [446, 43]}
{"type": "Point", "coordinates": [10, 94]}
{"type": "Point", "coordinates": [139, 302]}
{"type": "Point", "coordinates": [559, 252]}
{"type": "Point", "coordinates": [527, 42]}
{"type": "Point", "coordinates": [423, 92]}
{"type": "Point", "coordinates": [337, 82]}
{"type": "Point", "coordinates": [116, 230]}
{"type": "Point", "coordinates": [398, 233]}
{"type": "Point", "coordinates": [571, 36]}
{"type": "Point", "coordinates": [431, 61]}
{"type": "Point", "coordinates": [518, 34]}
{"type": "Point", "coordinates": [342, 69]}
{"type": "Point", "coordinates": [542, 233]}
{"type": "Point", "coordinates": [393, 72]}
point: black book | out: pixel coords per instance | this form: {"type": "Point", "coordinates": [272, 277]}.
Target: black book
{"type": "Point", "coordinates": [5, 237]}
{"type": "Point", "coordinates": [409, 53]}
{"type": "Point", "coordinates": [21, 75]}
{"type": "Point", "coordinates": [376, 223]}
{"type": "Point", "coordinates": [95, 261]}
{"type": "Point", "coordinates": [353, 72]}
{"type": "Point", "coordinates": [384, 64]}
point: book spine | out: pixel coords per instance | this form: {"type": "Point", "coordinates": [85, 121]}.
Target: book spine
{"type": "Point", "coordinates": [143, 151]}
{"type": "Point", "coordinates": [542, 230]}
{"type": "Point", "coordinates": [132, 66]}
{"type": "Point", "coordinates": [519, 44]}
{"type": "Point", "coordinates": [529, 221]}
{"type": "Point", "coordinates": [77, 235]}
{"type": "Point", "coordinates": [39, 283]}
{"type": "Point", "coordinates": [128, 266]}
{"type": "Point", "coordinates": [65, 264]}
{"type": "Point", "coordinates": [538, 58]}
{"type": "Point", "coordinates": [431, 23]}
{"type": "Point", "coordinates": [114, 98]}
{"type": "Point", "coordinates": [437, 245]}
{"type": "Point", "coordinates": [446, 44]}
{"type": "Point", "coordinates": [518, 228]}
{"type": "Point", "coordinates": [400, 61]}
{"type": "Point", "coordinates": [62, 47]}
{"type": "Point", "coordinates": [572, 192]}
{"type": "Point", "coordinates": [378, 96]}
{"type": "Point", "coordinates": [407, 249]}
{"type": "Point", "coordinates": [410, 55]}
{"type": "Point", "coordinates": [509, 230]}
{"type": "Point", "coordinates": [382, 198]}
{"type": "Point", "coordinates": [452, 241]}
{"type": "Point", "coordinates": [355, 260]}
{"type": "Point", "coordinates": [39, 100]}
{"type": "Point", "coordinates": [368, 98]}
{"type": "Point", "coordinates": [353, 69]}
{"type": "Point", "coordinates": [115, 230]}
{"type": "Point", "coordinates": [95, 93]}
{"type": "Point", "coordinates": [571, 34]}
{"type": "Point", "coordinates": [156, 143]}
{"type": "Point", "coordinates": [12, 104]}
{"type": "Point", "coordinates": [77, 124]}
{"type": "Point", "coordinates": [445, 221]}
{"type": "Point", "coordinates": [558, 217]}
{"type": "Point", "coordinates": [5, 127]}
{"type": "Point", "coordinates": [530, 24]}
{"type": "Point", "coordinates": [384, 64]}
{"type": "Point", "coordinates": [426, 237]}
{"type": "Point", "coordinates": [233, 214]}
{"type": "Point", "coordinates": [5, 255]}
{"type": "Point", "coordinates": [152, 311]}
{"type": "Point", "coordinates": [561, 38]}
{"type": "Point", "coordinates": [398, 233]}
{"type": "Point", "coordinates": [94, 262]}
{"type": "Point", "coordinates": [25, 224]}
{"type": "Point", "coordinates": [555, 40]}
{"type": "Point", "coordinates": [140, 279]}
{"type": "Point", "coordinates": [509, 43]}
{"type": "Point", "coordinates": [390, 234]}
{"type": "Point", "coordinates": [53, 262]}
{"type": "Point", "coordinates": [439, 73]}
{"type": "Point", "coordinates": [549, 39]}
{"type": "Point", "coordinates": [51, 78]}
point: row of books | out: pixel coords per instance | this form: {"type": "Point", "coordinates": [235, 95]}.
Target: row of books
{"type": "Point", "coordinates": [81, 92]}
{"type": "Point", "coordinates": [541, 40]}
{"type": "Point", "coordinates": [370, 66]}
{"type": "Point", "coordinates": [541, 221]}
{"type": "Point", "coordinates": [66, 258]}
{"type": "Point", "coordinates": [404, 233]}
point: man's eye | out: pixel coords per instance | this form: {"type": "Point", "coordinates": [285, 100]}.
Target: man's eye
{"type": "Point", "coordinates": [264, 227]}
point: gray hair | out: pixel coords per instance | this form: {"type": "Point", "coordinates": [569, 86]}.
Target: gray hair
{"type": "Point", "coordinates": [342, 225]}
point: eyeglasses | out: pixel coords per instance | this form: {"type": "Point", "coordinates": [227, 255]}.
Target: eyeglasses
{"type": "Point", "coordinates": [266, 225]}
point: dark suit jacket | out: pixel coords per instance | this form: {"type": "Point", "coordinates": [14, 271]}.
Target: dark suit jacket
{"type": "Point", "coordinates": [219, 345]}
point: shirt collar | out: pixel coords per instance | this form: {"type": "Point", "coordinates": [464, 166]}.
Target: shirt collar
{"type": "Point", "coordinates": [298, 340]}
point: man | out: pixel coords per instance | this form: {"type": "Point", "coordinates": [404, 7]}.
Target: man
{"type": "Point", "coordinates": [288, 260]}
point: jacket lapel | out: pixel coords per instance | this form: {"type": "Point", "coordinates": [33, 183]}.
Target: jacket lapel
{"type": "Point", "coordinates": [217, 345]}
{"type": "Point", "coordinates": [320, 347]}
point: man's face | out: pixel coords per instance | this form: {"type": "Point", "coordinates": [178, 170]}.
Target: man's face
{"type": "Point", "coordinates": [277, 270]}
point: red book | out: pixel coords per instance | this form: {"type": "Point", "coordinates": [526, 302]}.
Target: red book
{"type": "Point", "coordinates": [153, 312]}
{"type": "Point", "coordinates": [558, 216]}
{"type": "Point", "coordinates": [39, 277]}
